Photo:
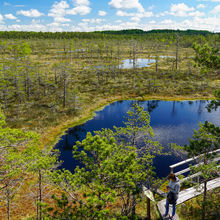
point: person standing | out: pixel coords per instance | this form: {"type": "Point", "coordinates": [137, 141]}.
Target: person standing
{"type": "Point", "coordinates": [172, 195]}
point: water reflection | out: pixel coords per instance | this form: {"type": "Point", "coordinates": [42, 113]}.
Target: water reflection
{"type": "Point", "coordinates": [137, 63]}
{"type": "Point", "coordinates": [172, 121]}
{"type": "Point", "coordinates": [133, 63]}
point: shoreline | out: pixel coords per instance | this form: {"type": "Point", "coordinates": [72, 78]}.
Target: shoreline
{"type": "Point", "coordinates": [53, 134]}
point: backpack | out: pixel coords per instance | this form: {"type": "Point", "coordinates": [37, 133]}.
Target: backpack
{"type": "Point", "coordinates": [171, 197]}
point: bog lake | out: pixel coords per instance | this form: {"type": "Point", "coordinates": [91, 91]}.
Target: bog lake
{"type": "Point", "coordinates": [172, 122]}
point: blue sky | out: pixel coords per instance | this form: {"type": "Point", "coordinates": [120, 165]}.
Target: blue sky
{"type": "Point", "coordinates": [91, 15]}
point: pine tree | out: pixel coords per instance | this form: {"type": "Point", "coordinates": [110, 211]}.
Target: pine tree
{"type": "Point", "coordinates": [137, 133]}
{"type": "Point", "coordinates": [12, 163]}
{"type": "Point", "coordinates": [40, 163]}
{"type": "Point", "coordinates": [204, 142]}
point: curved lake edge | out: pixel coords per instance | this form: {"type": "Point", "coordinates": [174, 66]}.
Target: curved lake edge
{"type": "Point", "coordinates": [50, 140]}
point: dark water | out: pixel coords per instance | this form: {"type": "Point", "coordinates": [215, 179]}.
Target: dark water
{"type": "Point", "coordinates": [172, 121]}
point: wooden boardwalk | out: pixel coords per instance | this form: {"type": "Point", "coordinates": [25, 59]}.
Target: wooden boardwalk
{"type": "Point", "coordinates": [188, 194]}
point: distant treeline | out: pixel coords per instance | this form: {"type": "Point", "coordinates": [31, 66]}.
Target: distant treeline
{"type": "Point", "coordinates": [96, 34]}
{"type": "Point", "coordinates": [47, 35]}
{"type": "Point", "coordinates": [168, 31]}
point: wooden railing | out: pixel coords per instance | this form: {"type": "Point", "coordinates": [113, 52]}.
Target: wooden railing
{"type": "Point", "coordinates": [188, 169]}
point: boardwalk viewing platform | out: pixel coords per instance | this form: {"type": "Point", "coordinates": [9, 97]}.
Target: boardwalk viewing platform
{"type": "Point", "coordinates": [187, 194]}
{"type": "Point", "coordinates": [192, 192]}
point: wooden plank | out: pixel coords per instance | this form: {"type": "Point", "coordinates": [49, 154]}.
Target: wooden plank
{"type": "Point", "coordinates": [190, 159]}
{"type": "Point", "coordinates": [162, 209]}
{"type": "Point", "coordinates": [193, 192]}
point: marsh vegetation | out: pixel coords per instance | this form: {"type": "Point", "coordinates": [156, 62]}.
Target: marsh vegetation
{"type": "Point", "coordinates": [52, 81]}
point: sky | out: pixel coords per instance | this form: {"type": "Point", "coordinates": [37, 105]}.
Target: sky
{"type": "Point", "coordinates": [97, 15]}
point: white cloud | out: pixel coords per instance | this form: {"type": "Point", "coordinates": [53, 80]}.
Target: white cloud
{"type": "Point", "coordinates": [30, 27]}
{"type": "Point", "coordinates": [35, 26]}
{"type": "Point", "coordinates": [162, 14]}
{"type": "Point", "coordinates": [34, 21]}
{"type": "Point", "coordinates": [123, 13]}
{"type": "Point", "coordinates": [62, 8]}
{"type": "Point", "coordinates": [196, 14]}
{"type": "Point", "coordinates": [81, 2]}
{"type": "Point", "coordinates": [199, 23]}
{"type": "Point", "coordinates": [93, 21]}
{"type": "Point", "coordinates": [138, 15]}
{"type": "Point", "coordinates": [126, 4]}
{"type": "Point", "coordinates": [10, 16]}
{"type": "Point", "coordinates": [58, 11]}
{"type": "Point", "coordinates": [3, 27]}
{"type": "Point", "coordinates": [82, 8]}
{"type": "Point", "coordinates": [79, 10]}
{"type": "Point", "coordinates": [181, 6]}
{"type": "Point", "coordinates": [152, 22]}
{"type": "Point", "coordinates": [146, 14]}
{"type": "Point", "coordinates": [135, 19]}
{"type": "Point", "coordinates": [167, 21]}
{"type": "Point", "coordinates": [54, 26]}
{"type": "Point", "coordinates": [208, 23]}
{"type": "Point", "coordinates": [132, 10]}
{"type": "Point", "coordinates": [180, 9]}
{"type": "Point", "coordinates": [201, 6]}
{"type": "Point", "coordinates": [1, 18]}
{"type": "Point", "coordinates": [102, 13]}
{"type": "Point", "coordinates": [62, 19]}
{"type": "Point", "coordinates": [216, 9]}
{"type": "Point", "coordinates": [87, 27]}
{"type": "Point", "coordinates": [30, 13]}
{"type": "Point", "coordinates": [123, 5]}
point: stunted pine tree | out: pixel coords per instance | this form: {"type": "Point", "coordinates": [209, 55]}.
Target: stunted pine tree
{"type": "Point", "coordinates": [204, 143]}
{"type": "Point", "coordinates": [40, 162]}
{"type": "Point", "coordinates": [12, 162]}
{"type": "Point", "coordinates": [206, 57]}
{"type": "Point", "coordinates": [138, 134]}
{"type": "Point", "coordinates": [111, 170]}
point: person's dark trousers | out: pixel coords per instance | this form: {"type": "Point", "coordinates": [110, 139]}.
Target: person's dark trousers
{"type": "Point", "coordinates": [167, 208]}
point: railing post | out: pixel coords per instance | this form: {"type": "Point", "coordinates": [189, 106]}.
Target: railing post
{"type": "Point", "coordinates": [198, 179]}
{"type": "Point", "coordinates": [171, 170]}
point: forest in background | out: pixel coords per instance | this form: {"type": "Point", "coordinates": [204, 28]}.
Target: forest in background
{"type": "Point", "coordinates": [96, 34]}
